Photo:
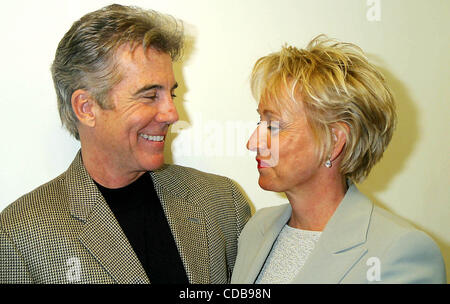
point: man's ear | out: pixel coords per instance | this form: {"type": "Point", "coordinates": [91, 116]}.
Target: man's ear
{"type": "Point", "coordinates": [339, 134]}
{"type": "Point", "coordinates": [83, 107]}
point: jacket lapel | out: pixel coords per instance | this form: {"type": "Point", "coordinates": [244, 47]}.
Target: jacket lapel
{"type": "Point", "coordinates": [187, 222]}
{"type": "Point", "coordinates": [341, 244]}
{"type": "Point", "coordinates": [101, 234]}
{"type": "Point", "coordinates": [268, 233]}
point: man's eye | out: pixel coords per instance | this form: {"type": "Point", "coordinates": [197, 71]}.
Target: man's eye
{"type": "Point", "coordinates": [173, 95]}
{"type": "Point", "coordinates": [151, 97]}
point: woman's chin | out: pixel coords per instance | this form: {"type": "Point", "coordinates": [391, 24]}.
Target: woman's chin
{"type": "Point", "coordinates": [267, 185]}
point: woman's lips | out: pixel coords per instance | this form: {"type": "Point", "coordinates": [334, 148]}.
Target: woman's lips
{"type": "Point", "coordinates": [262, 164]}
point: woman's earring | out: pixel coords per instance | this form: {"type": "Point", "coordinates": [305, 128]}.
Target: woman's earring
{"type": "Point", "coordinates": [328, 163]}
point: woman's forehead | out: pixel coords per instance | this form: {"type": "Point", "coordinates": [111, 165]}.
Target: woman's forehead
{"type": "Point", "coordinates": [282, 107]}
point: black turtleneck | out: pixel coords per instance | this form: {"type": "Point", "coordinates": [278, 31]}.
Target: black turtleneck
{"type": "Point", "coordinates": [138, 210]}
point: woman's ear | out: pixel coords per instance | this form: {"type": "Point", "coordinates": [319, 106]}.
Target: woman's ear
{"type": "Point", "coordinates": [339, 133]}
{"type": "Point", "coordinates": [83, 107]}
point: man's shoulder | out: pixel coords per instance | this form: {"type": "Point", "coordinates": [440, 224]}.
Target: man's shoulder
{"type": "Point", "coordinates": [34, 204]}
{"type": "Point", "coordinates": [190, 176]}
{"type": "Point", "coordinates": [201, 186]}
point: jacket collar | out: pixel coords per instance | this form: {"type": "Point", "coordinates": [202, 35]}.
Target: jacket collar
{"type": "Point", "coordinates": [338, 248]}
{"type": "Point", "coordinates": [101, 233]}
{"type": "Point", "coordinates": [187, 220]}
{"type": "Point", "coordinates": [269, 229]}
{"type": "Point", "coordinates": [348, 226]}
{"type": "Point", "coordinates": [342, 242]}
{"type": "Point", "coordinates": [104, 238]}
{"type": "Point", "coordinates": [84, 194]}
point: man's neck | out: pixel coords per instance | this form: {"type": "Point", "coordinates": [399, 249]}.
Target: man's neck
{"type": "Point", "coordinates": [104, 171]}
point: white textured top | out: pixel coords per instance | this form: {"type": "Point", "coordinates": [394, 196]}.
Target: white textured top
{"type": "Point", "coordinates": [289, 252]}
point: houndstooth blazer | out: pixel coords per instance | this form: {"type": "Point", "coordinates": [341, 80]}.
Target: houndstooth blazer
{"type": "Point", "coordinates": [65, 232]}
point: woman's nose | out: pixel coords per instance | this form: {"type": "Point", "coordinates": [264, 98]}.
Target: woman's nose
{"type": "Point", "coordinates": [258, 140]}
{"type": "Point", "coordinates": [253, 141]}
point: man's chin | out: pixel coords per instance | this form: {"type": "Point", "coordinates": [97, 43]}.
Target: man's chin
{"type": "Point", "coordinates": [153, 163]}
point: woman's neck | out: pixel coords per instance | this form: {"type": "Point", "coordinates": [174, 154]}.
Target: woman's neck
{"type": "Point", "coordinates": [314, 204]}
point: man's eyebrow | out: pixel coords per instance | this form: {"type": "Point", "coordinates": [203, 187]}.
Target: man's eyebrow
{"type": "Point", "coordinates": [147, 88]}
{"type": "Point", "coordinates": [153, 86]}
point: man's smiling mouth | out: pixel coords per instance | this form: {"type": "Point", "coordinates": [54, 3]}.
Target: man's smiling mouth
{"type": "Point", "coordinates": [151, 137]}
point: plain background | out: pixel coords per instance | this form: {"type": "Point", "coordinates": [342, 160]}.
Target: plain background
{"type": "Point", "coordinates": [407, 40]}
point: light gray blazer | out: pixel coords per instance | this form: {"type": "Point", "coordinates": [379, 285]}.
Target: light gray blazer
{"type": "Point", "coordinates": [360, 244]}
{"type": "Point", "coordinates": [65, 232]}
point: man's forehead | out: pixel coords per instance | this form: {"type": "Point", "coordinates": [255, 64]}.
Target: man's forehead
{"type": "Point", "coordinates": [143, 63]}
{"type": "Point", "coordinates": [133, 51]}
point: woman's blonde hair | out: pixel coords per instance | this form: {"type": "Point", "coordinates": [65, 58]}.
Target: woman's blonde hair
{"type": "Point", "coordinates": [337, 85]}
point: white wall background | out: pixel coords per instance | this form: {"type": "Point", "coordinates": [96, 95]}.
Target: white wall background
{"type": "Point", "coordinates": [408, 40]}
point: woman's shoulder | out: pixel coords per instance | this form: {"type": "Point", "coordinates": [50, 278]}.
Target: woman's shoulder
{"type": "Point", "coordinates": [382, 223]}
{"type": "Point", "coordinates": [267, 217]}
{"type": "Point", "coordinates": [397, 233]}
{"type": "Point", "coordinates": [271, 213]}
{"type": "Point", "coordinates": [385, 217]}
{"type": "Point", "coordinates": [408, 254]}
{"type": "Point", "coordinates": [385, 223]}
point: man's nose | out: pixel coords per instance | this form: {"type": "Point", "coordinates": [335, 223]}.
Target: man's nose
{"type": "Point", "coordinates": [168, 112]}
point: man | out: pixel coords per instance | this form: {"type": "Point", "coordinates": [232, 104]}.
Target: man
{"type": "Point", "coordinates": [118, 215]}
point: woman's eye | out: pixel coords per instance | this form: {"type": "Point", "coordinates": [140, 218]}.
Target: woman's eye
{"type": "Point", "coordinates": [270, 125]}
{"type": "Point", "coordinates": [274, 126]}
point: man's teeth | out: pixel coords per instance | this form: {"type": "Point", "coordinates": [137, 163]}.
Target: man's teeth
{"type": "Point", "coordinates": [152, 138]}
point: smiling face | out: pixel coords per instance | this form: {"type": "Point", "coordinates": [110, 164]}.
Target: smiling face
{"type": "Point", "coordinates": [130, 136]}
{"type": "Point", "coordinates": [286, 151]}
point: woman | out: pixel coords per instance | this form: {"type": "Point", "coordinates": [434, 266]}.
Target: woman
{"type": "Point", "coordinates": [326, 118]}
